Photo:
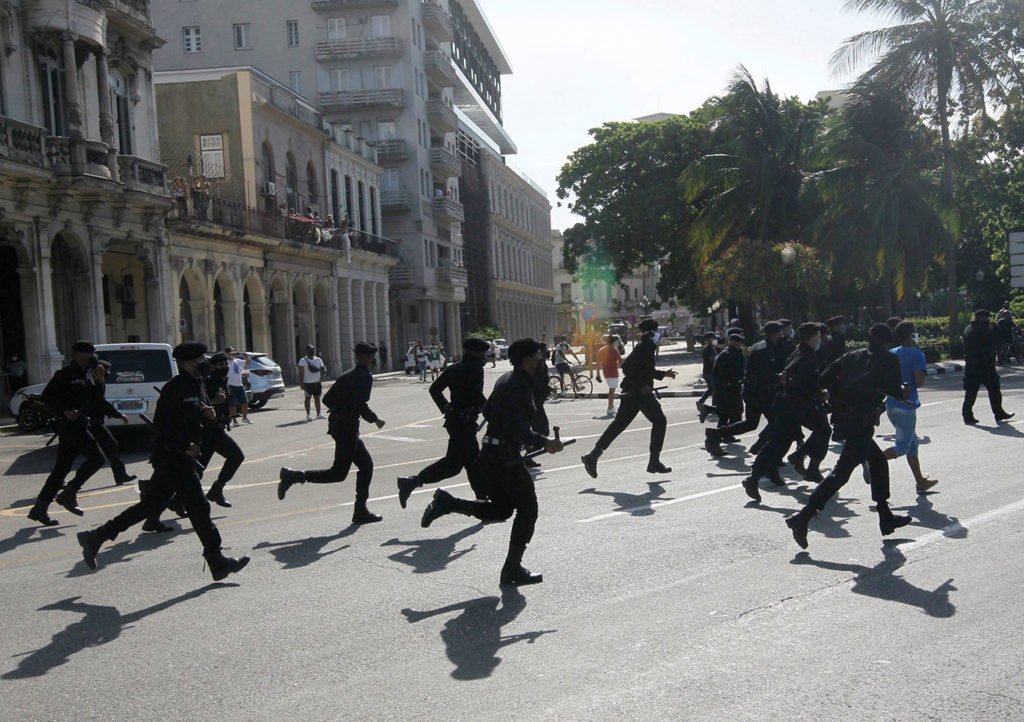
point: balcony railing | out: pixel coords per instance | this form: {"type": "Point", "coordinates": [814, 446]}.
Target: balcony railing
{"type": "Point", "coordinates": [452, 276]}
{"type": "Point", "coordinates": [137, 10]}
{"type": "Point", "coordinates": [349, 100]}
{"type": "Point", "coordinates": [351, 48]}
{"type": "Point", "coordinates": [395, 200]}
{"type": "Point", "coordinates": [440, 69]}
{"type": "Point", "coordinates": [448, 208]}
{"type": "Point", "coordinates": [22, 142]}
{"type": "Point", "coordinates": [444, 163]}
{"type": "Point", "coordinates": [402, 275]}
{"type": "Point", "coordinates": [363, 241]}
{"type": "Point", "coordinates": [353, 4]}
{"type": "Point", "coordinates": [139, 174]}
{"type": "Point", "coordinates": [442, 116]}
{"type": "Point", "coordinates": [392, 150]}
{"type": "Point", "coordinates": [437, 21]}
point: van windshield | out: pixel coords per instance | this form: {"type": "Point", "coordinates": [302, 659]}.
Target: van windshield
{"type": "Point", "coordinates": [137, 366]}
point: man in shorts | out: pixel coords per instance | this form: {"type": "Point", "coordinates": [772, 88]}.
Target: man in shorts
{"type": "Point", "coordinates": [608, 362]}
{"type": "Point", "coordinates": [237, 368]}
{"type": "Point", "coordinates": [434, 360]}
{"type": "Point", "coordinates": [903, 412]}
{"type": "Point", "coordinates": [421, 362]}
{"type": "Point", "coordinates": [312, 372]}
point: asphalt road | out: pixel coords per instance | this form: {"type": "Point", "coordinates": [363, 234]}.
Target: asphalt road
{"type": "Point", "coordinates": [665, 597]}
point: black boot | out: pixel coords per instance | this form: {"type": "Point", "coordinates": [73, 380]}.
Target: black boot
{"type": "Point", "coordinates": [798, 525]}
{"type": "Point", "coordinates": [758, 445]}
{"type": "Point", "coordinates": [712, 443]}
{"type": "Point", "coordinates": [702, 412]}
{"type": "Point", "coordinates": [970, 421]}
{"type": "Point", "coordinates": [442, 503]}
{"type": "Point", "coordinates": [813, 473]}
{"type": "Point", "coordinates": [90, 541]}
{"type": "Point", "coordinates": [221, 566]}
{"type": "Point", "coordinates": [1004, 416]}
{"type": "Point", "coordinates": [513, 573]}
{"type": "Point", "coordinates": [531, 463]}
{"type": "Point", "coordinates": [156, 526]}
{"type": "Point", "coordinates": [216, 495]}
{"type": "Point", "coordinates": [750, 486]}
{"type": "Point", "coordinates": [288, 478]}
{"type": "Point", "coordinates": [124, 478]}
{"type": "Point", "coordinates": [797, 460]}
{"type": "Point", "coordinates": [889, 522]}
{"type": "Point", "coordinates": [656, 467]}
{"type": "Point", "coordinates": [69, 500]}
{"type": "Point", "coordinates": [362, 515]}
{"type": "Point", "coordinates": [590, 462]}
{"type": "Point", "coordinates": [406, 486]}
{"type": "Point", "coordinates": [38, 514]}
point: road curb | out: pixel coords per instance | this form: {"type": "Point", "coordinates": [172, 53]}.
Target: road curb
{"type": "Point", "coordinates": [948, 367]}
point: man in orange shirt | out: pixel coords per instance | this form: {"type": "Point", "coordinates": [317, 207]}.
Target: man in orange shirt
{"type": "Point", "coordinates": [608, 362]}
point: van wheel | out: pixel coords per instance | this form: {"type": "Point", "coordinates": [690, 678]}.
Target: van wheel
{"type": "Point", "coordinates": [255, 405]}
{"type": "Point", "coordinates": [28, 421]}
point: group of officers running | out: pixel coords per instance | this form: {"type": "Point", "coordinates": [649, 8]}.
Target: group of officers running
{"type": "Point", "coordinates": [793, 379]}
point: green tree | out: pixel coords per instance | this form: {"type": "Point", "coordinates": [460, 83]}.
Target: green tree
{"type": "Point", "coordinates": [936, 54]}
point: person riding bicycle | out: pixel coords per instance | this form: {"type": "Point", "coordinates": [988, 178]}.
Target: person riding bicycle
{"type": "Point", "coordinates": [559, 357]}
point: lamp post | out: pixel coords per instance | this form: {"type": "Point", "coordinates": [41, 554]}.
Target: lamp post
{"type": "Point", "coordinates": [788, 254]}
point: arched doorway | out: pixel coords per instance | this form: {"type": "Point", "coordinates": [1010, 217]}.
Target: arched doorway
{"type": "Point", "coordinates": [192, 310]}
{"type": "Point", "coordinates": [324, 332]}
{"type": "Point", "coordinates": [280, 327]}
{"type": "Point", "coordinates": [226, 313]}
{"type": "Point", "coordinates": [12, 323]}
{"type": "Point", "coordinates": [303, 327]}
{"type": "Point", "coordinates": [70, 298]}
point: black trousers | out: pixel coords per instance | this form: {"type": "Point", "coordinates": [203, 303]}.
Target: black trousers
{"type": "Point", "coordinates": [751, 420]}
{"type": "Point", "coordinates": [108, 444]}
{"type": "Point", "coordinates": [463, 450]}
{"type": "Point", "coordinates": [974, 379]}
{"type": "Point", "coordinates": [219, 441]}
{"type": "Point", "coordinates": [540, 422]}
{"type": "Point", "coordinates": [729, 404]}
{"type": "Point", "coordinates": [511, 491]}
{"type": "Point", "coordinates": [165, 483]}
{"type": "Point", "coordinates": [709, 392]}
{"type": "Point", "coordinates": [631, 405]}
{"type": "Point", "coordinates": [857, 450]}
{"type": "Point", "coordinates": [75, 440]}
{"type": "Point", "coordinates": [786, 428]}
{"type": "Point", "coordinates": [349, 449]}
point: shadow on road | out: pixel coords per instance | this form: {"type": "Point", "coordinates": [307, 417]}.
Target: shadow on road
{"type": "Point", "coordinates": [40, 461]}
{"type": "Point", "coordinates": [120, 553]}
{"type": "Point", "coordinates": [634, 504]}
{"type": "Point", "coordinates": [431, 555]}
{"type": "Point", "coordinates": [100, 624]}
{"type": "Point", "coordinates": [303, 552]}
{"type": "Point", "coordinates": [27, 536]}
{"type": "Point", "coordinates": [925, 515]}
{"type": "Point", "coordinates": [473, 639]}
{"type": "Point", "coordinates": [880, 582]}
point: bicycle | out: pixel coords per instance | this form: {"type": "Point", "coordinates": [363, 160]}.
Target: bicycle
{"type": "Point", "coordinates": [580, 385]}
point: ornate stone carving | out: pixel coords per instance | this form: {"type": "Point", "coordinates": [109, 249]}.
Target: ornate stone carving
{"type": "Point", "coordinates": [89, 207]}
{"type": "Point", "coordinates": [22, 191]}
{"type": "Point", "coordinates": [117, 212]}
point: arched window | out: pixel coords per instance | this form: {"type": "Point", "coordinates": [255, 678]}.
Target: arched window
{"type": "Point", "coordinates": [291, 174]}
{"type": "Point", "coordinates": [121, 103]}
{"type": "Point", "coordinates": [311, 185]}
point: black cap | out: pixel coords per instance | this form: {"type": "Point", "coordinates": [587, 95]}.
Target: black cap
{"type": "Point", "coordinates": [785, 322]}
{"type": "Point", "coordinates": [189, 351]}
{"type": "Point", "coordinates": [310, 347]}
{"type": "Point", "coordinates": [710, 335]}
{"type": "Point", "coordinates": [83, 347]}
{"type": "Point", "coordinates": [772, 327]}
{"type": "Point", "coordinates": [982, 313]}
{"type": "Point", "coordinates": [229, 349]}
{"type": "Point", "coordinates": [809, 329]}
{"type": "Point", "coordinates": [523, 348]}
{"type": "Point", "coordinates": [219, 358]}
{"type": "Point", "coordinates": [365, 349]}
{"type": "Point", "coordinates": [476, 345]}
{"type": "Point", "coordinates": [836, 321]}
{"type": "Point", "coordinates": [737, 336]}
{"type": "Point", "coordinates": [882, 332]}
{"type": "Point", "coordinates": [648, 324]}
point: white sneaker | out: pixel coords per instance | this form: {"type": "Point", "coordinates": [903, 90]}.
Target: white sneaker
{"type": "Point", "coordinates": [308, 417]}
{"type": "Point", "coordinates": [247, 421]}
{"type": "Point", "coordinates": [321, 416]}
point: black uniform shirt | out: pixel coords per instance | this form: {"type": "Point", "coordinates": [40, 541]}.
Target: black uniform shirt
{"type": "Point", "coordinates": [802, 382]}
{"type": "Point", "coordinates": [832, 349]}
{"type": "Point", "coordinates": [708, 356]}
{"type": "Point", "coordinates": [349, 400]}
{"type": "Point", "coordinates": [464, 382]}
{"type": "Point", "coordinates": [979, 344]}
{"type": "Point", "coordinates": [178, 422]}
{"type": "Point", "coordinates": [98, 409]}
{"type": "Point", "coordinates": [729, 369]}
{"type": "Point", "coordinates": [510, 409]}
{"type": "Point", "coordinates": [638, 369]}
{"type": "Point", "coordinates": [859, 382]}
{"type": "Point", "coordinates": [218, 385]}
{"type": "Point", "coordinates": [761, 377]}
{"type": "Point", "coordinates": [541, 378]}
{"type": "Point", "coordinates": [70, 389]}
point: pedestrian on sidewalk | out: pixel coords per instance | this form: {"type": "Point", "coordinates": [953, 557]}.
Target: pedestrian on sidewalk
{"type": "Point", "coordinates": [902, 412]}
{"type": "Point", "coordinates": [347, 401]}
{"type": "Point", "coordinates": [609, 360]}
{"type": "Point", "coordinates": [421, 362]}
{"type": "Point", "coordinates": [312, 372]}
{"type": "Point", "coordinates": [238, 368]}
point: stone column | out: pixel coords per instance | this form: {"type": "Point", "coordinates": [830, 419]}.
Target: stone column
{"type": "Point", "coordinates": [106, 115]}
{"type": "Point", "coordinates": [233, 331]}
{"type": "Point", "coordinates": [334, 323]}
{"type": "Point", "coordinates": [358, 311]}
{"type": "Point", "coordinates": [345, 320]}
{"type": "Point", "coordinates": [451, 312]}
{"type": "Point", "coordinates": [98, 318]}
{"type": "Point", "coordinates": [375, 306]}
{"type": "Point", "coordinates": [72, 104]}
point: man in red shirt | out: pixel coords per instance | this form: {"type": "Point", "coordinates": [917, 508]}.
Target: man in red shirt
{"type": "Point", "coordinates": [608, 362]}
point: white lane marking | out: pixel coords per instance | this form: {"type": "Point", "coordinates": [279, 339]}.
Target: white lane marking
{"type": "Point", "coordinates": [658, 505]}
{"type": "Point", "coordinates": [953, 529]}
{"type": "Point", "coordinates": [403, 439]}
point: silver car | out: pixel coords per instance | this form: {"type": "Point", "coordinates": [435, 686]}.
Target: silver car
{"type": "Point", "coordinates": [265, 378]}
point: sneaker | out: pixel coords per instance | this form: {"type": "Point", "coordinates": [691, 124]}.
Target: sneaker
{"type": "Point", "coordinates": [321, 416]}
{"type": "Point", "coordinates": [308, 417]}
{"type": "Point", "coordinates": [247, 421]}
{"type": "Point", "coordinates": [925, 485]}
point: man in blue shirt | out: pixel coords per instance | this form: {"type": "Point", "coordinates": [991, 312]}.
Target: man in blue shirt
{"type": "Point", "coordinates": [903, 412]}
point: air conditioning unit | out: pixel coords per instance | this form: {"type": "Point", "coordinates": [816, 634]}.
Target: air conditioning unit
{"type": "Point", "coordinates": [270, 189]}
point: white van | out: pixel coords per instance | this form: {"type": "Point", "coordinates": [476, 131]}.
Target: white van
{"type": "Point", "coordinates": [138, 371]}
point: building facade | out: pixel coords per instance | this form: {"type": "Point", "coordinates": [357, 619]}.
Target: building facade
{"type": "Point", "coordinates": [254, 263]}
{"type": "Point", "coordinates": [400, 75]}
{"type": "Point", "coordinates": [83, 248]}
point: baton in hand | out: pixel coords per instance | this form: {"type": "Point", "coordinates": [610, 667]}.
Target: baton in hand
{"type": "Point", "coordinates": [558, 438]}
{"type": "Point", "coordinates": [81, 417]}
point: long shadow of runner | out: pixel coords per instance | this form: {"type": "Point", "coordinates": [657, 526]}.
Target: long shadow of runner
{"type": "Point", "coordinates": [303, 552]}
{"type": "Point", "coordinates": [123, 552]}
{"type": "Point", "coordinates": [100, 624]}
{"type": "Point", "coordinates": [473, 639]}
{"type": "Point", "coordinates": [924, 514]}
{"type": "Point", "coordinates": [28, 536]}
{"type": "Point", "coordinates": [634, 504]}
{"type": "Point", "coordinates": [432, 555]}
{"type": "Point", "coordinates": [880, 582]}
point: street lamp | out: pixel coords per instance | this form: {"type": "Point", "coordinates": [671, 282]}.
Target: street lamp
{"type": "Point", "coordinates": [789, 260]}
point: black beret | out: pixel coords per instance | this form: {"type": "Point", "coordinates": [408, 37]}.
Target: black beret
{"type": "Point", "coordinates": [476, 345]}
{"type": "Point", "coordinates": [648, 324]}
{"type": "Point", "coordinates": [982, 312]}
{"type": "Point", "coordinates": [189, 351]}
{"type": "Point", "coordinates": [809, 329]}
{"type": "Point", "coordinates": [710, 335]}
{"type": "Point", "coordinates": [772, 327]}
{"type": "Point", "coordinates": [83, 347]}
{"type": "Point", "coordinates": [521, 349]}
{"type": "Point", "coordinates": [785, 322]}
{"type": "Point", "coordinates": [882, 331]}
{"type": "Point", "coordinates": [737, 336]}
{"type": "Point", "coordinates": [836, 321]}
{"type": "Point", "coordinates": [365, 349]}
{"type": "Point", "coordinates": [219, 358]}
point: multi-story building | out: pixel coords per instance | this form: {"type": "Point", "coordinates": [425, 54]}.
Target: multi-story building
{"type": "Point", "coordinates": [399, 74]}
{"type": "Point", "coordinates": [508, 216]}
{"type": "Point", "coordinates": [254, 263]}
{"type": "Point", "coordinates": [83, 251]}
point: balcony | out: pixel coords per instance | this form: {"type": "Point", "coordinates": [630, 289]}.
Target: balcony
{"type": "Point", "coordinates": [355, 48]}
{"type": "Point", "coordinates": [395, 201]}
{"type": "Point", "coordinates": [437, 21]}
{"type": "Point", "coordinates": [143, 175]}
{"type": "Point", "coordinates": [133, 18]}
{"type": "Point", "coordinates": [22, 142]}
{"type": "Point", "coordinates": [440, 70]}
{"type": "Point", "coordinates": [353, 4]}
{"type": "Point", "coordinates": [402, 275]}
{"type": "Point", "coordinates": [390, 151]}
{"type": "Point", "coordinates": [448, 209]}
{"type": "Point", "coordinates": [442, 116]}
{"type": "Point", "coordinates": [444, 163]}
{"type": "Point", "coordinates": [452, 276]}
{"type": "Point", "coordinates": [363, 241]}
{"type": "Point", "coordinates": [344, 101]}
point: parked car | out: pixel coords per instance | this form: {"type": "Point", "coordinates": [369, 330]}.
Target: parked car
{"type": "Point", "coordinates": [501, 348]}
{"type": "Point", "coordinates": [265, 378]}
{"type": "Point", "coordinates": [137, 373]}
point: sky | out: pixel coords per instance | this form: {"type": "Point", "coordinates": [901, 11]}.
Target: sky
{"type": "Point", "coordinates": [579, 63]}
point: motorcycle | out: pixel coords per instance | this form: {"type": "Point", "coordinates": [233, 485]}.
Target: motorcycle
{"type": "Point", "coordinates": [33, 414]}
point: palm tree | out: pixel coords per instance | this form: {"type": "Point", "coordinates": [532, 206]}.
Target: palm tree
{"type": "Point", "coordinates": [880, 203]}
{"type": "Point", "coordinates": [935, 53]}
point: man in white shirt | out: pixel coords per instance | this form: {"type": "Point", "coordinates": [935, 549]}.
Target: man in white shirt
{"type": "Point", "coordinates": [311, 374]}
{"type": "Point", "coordinates": [237, 368]}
